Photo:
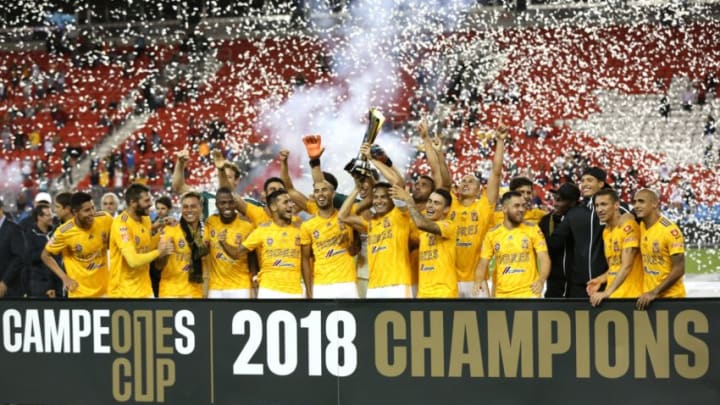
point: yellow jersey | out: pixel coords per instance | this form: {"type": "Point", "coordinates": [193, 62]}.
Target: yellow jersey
{"type": "Point", "coordinates": [623, 236]}
{"type": "Point", "coordinates": [662, 240]}
{"type": "Point", "coordinates": [259, 215]}
{"type": "Point", "coordinates": [330, 241]}
{"type": "Point", "coordinates": [472, 223]}
{"type": "Point", "coordinates": [84, 254]}
{"type": "Point", "coordinates": [130, 272]}
{"type": "Point", "coordinates": [226, 273]}
{"type": "Point", "coordinates": [387, 249]}
{"type": "Point", "coordinates": [174, 282]}
{"type": "Point", "coordinates": [278, 249]}
{"type": "Point", "coordinates": [438, 275]}
{"type": "Point", "coordinates": [515, 251]}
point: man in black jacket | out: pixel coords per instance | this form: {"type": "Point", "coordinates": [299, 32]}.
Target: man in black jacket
{"type": "Point", "coordinates": [581, 227]}
{"type": "Point", "coordinates": [12, 249]}
{"type": "Point", "coordinates": [566, 197]}
{"type": "Point", "coordinates": [41, 282]}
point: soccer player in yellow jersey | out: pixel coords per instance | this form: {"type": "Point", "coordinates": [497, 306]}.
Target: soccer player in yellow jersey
{"type": "Point", "coordinates": [278, 246]}
{"type": "Point", "coordinates": [133, 248]}
{"type": "Point", "coordinates": [436, 256]}
{"type": "Point", "coordinates": [517, 248]}
{"type": "Point", "coordinates": [621, 238]}
{"type": "Point", "coordinates": [181, 273]}
{"type": "Point", "coordinates": [388, 238]}
{"type": "Point", "coordinates": [230, 271]}
{"type": "Point", "coordinates": [330, 242]}
{"type": "Point", "coordinates": [83, 244]}
{"type": "Point", "coordinates": [663, 251]}
{"type": "Point", "coordinates": [472, 213]}
{"type": "Point", "coordinates": [524, 186]}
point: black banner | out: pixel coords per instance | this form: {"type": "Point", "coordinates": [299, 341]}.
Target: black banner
{"type": "Point", "coordinates": [358, 352]}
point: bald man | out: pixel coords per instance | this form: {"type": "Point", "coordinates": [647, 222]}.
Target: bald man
{"type": "Point", "coordinates": [663, 251]}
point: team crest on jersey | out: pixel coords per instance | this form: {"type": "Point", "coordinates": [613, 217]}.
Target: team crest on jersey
{"type": "Point", "coordinates": [525, 243]}
{"type": "Point", "coordinates": [316, 235]}
{"type": "Point", "coordinates": [452, 215]}
{"type": "Point", "coordinates": [137, 240]}
{"type": "Point", "coordinates": [297, 241]}
{"type": "Point", "coordinates": [616, 246]}
{"type": "Point", "coordinates": [675, 233]}
{"type": "Point", "coordinates": [627, 228]}
{"type": "Point", "coordinates": [656, 247]}
{"type": "Point", "coordinates": [269, 241]}
{"type": "Point", "coordinates": [431, 240]}
{"type": "Point", "coordinates": [78, 248]}
{"type": "Point", "coordinates": [497, 247]}
{"type": "Point", "coordinates": [386, 223]}
{"type": "Point", "coordinates": [474, 216]}
{"type": "Point", "coordinates": [212, 233]}
{"type": "Point", "coordinates": [181, 243]}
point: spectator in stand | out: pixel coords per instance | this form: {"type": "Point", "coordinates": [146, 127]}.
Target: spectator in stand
{"type": "Point", "coordinates": [59, 116]}
{"type": "Point", "coordinates": [12, 251]}
{"type": "Point", "coordinates": [664, 107]}
{"type": "Point", "coordinates": [688, 98]}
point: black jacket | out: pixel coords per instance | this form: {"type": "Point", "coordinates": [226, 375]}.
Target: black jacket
{"type": "Point", "coordinates": [12, 250]}
{"type": "Point", "coordinates": [561, 261]}
{"type": "Point", "coordinates": [38, 277]}
{"type": "Point", "coordinates": [581, 227]}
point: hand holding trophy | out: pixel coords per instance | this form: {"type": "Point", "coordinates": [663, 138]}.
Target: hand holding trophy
{"type": "Point", "coordinates": [359, 167]}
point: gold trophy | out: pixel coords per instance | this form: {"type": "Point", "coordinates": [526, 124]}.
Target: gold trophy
{"type": "Point", "coordinates": [359, 167]}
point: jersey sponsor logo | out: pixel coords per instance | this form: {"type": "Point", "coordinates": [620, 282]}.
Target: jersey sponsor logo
{"type": "Point", "coordinates": [297, 241]}
{"type": "Point", "coordinates": [651, 272]}
{"type": "Point", "coordinates": [463, 244]}
{"type": "Point", "coordinates": [280, 263]}
{"type": "Point", "coordinates": [378, 249]}
{"type": "Point", "coordinates": [510, 270]}
{"type": "Point", "coordinates": [675, 233]}
{"type": "Point", "coordinates": [333, 252]}
{"type": "Point", "coordinates": [627, 229]}
{"type": "Point", "coordinates": [425, 267]}
{"type": "Point", "coordinates": [212, 233]}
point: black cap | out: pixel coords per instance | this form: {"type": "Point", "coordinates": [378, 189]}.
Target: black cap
{"type": "Point", "coordinates": [596, 172]}
{"type": "Point", "coordinates": [567, 192]}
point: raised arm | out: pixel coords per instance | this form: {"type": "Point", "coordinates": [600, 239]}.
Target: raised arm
{"type": "Point", "coordinates": [356, 221]}
{"type": "Point", "coordinates": [493, 186]}
{"type": "Point", "coordinates": [298, 198]}
{"type": "Point", "coordinates": [383, 164]}
{"type": "Point", "coordinates": [421, 221]}
{"type": "Point", "coordinates": [438, 165]}
{"type": "Point", "coordinates": [314, 148]}
{"type": "Point", "coordinates": [179, 186]}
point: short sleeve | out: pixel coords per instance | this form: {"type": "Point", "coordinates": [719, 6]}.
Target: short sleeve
{"type": "Point", "coordinates": [254, 240]}
{"type": "Point", "coordinates": [487, 250]}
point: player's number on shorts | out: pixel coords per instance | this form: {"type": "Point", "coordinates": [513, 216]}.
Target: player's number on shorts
{"type": "Point", "coordinates": [282, 331]}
